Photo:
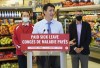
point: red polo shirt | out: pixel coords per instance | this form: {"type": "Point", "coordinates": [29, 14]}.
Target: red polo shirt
{"type": "Point", "coordinates": [21, 29]}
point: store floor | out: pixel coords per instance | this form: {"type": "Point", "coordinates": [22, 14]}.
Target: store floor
{"type": "Point", "coordinates": [91, 64]}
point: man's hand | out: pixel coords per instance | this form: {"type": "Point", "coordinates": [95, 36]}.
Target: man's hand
{"type": "Point", "coordinates": [81, 48]}
{"type": "Point", "coordinates": [34, 59]}
{"type": "Point", "coordinates": [18, 47]}
{"type": "Point", "coordinates": [72, 42]}
{"type": "Point", "coordinates": [78, 50]}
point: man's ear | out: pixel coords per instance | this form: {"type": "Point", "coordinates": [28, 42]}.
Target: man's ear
{"type": "Point", "coordinates": [44, 12]}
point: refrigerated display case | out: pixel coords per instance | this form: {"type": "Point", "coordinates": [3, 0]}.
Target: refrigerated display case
{"type": "Point", "coordinates": [91, 14]}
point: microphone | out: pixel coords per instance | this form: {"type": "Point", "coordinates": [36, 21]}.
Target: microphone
{"type": "Point", "coordinates": [44, 30]}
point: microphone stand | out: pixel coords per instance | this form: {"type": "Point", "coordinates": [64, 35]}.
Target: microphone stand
{"type": "Point", "coordinates": [47, 57]}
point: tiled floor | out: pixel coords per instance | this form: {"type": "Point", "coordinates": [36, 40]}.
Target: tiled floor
{"type": "Point", "coordinates": [91, 64]}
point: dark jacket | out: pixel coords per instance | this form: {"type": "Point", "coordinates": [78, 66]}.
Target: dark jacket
{"type": "Point", "coordinates": [84, 40]}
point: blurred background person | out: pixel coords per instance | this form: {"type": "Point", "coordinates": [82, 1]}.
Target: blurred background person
{"type": "Point", "coordinates": [80, 36]}
{"type": "Point", "coordinates": [24, 27]}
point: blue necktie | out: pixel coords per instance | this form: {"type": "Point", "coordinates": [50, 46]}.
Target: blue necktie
{"type": "Point", "coordinates": [49, 28]}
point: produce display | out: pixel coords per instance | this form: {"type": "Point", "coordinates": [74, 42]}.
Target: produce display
{"type": "Point", "coordinates": [70, 3]}
{"type": "Point", "coordinates": [11, 28]}
{"type": "Point", "coordinates": [1, 55]}
{"type": "Point", "coordinates": [95, 34]}
{"type": "Point", "coordinates": [9, 65]}
{"type": "Point", "coordinates": [9, 18]}
{"type": "Point", "coordinates": [7, 55]}
{"type": "Point", "coordinates": [4, 30]}
{"type": "Point", "coordinates": [7, 27]}
{"type": "Point", "coordinates": [5, 40]}
{"type": "Point", "coordinates": [90, 17]}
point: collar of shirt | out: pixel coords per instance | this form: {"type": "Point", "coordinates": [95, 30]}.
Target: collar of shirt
{"type": "Point", "coordinates": [25, 24]}
{"type": "Point", "coordinates": [79, 23]}
{"type": "Point", "coordinates": [45, 21]}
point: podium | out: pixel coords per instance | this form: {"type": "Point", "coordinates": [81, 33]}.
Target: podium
{"type": "Point", "coordinates": [45, 42]}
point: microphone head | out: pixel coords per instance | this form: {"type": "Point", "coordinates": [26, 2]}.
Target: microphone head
{"type": "Point", "coordinates": [44, 30]}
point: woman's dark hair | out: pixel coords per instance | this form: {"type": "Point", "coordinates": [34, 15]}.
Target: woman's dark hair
{"type": "Point", "coordinates": [24, 11]}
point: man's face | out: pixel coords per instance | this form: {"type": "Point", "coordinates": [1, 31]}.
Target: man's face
{"type": "Point", "coordinates": [78, 16]}
{"type": "Point", "coordinates": [49, 13]}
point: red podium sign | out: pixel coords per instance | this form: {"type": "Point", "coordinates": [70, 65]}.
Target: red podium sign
{"type": "Point", "coordinates": [45, 42]}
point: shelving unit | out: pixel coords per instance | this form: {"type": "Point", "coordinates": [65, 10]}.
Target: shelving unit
{"type": "Point", "coordinates": [66, 15]}
{"type": "Point", "coordinates": [8, 17]}
{"type": "Point", "coordinates": [89, 7]}
{"type": "Point", "coordinates": [9, 59]}
{"type": "Point", "coordinates": [4, 48]}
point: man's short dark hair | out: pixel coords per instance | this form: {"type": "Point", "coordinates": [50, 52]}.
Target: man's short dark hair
{"type": "Point", "coordinates": [45, 7]}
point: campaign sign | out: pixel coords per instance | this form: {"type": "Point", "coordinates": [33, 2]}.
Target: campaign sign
{"type": "Point", "coordinates": [45, 42]}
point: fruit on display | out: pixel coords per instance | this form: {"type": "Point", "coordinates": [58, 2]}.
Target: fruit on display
{"type": "Point", "coordinates": [4, 30]}
{"type": "Point", "coordinates": [95, 33]}
{"type": "Point", "coordinates": [11, 28]}
{"type": "Point", "coordinates": [70, 3]}
{"type": "Point", "coordinates": [1, 55]}
{"type": "Point", "coordinates": [98, 19]}
{"type": "Point", "coordinates": [97, 26]}
{"type": "Point", "coordinates": [90, 17]}
{"type": "Point", "coordinates": [85, 3]}
{"type": "Point", "coordinates": [67, 3]}
{"type": "Point", "coordinates": [7, 55]}
{"type": "Point", "coordinates": [5, 40]}
{"type": "Point", "coordinates": [93, 42]}
{"type": "Point", "coordinates": [9, 65]}
{"type": "Point", "coordinates": [7, 27]}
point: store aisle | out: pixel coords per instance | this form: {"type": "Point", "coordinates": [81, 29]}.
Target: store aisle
{"type": "Point", "coordinates": [91, 63]}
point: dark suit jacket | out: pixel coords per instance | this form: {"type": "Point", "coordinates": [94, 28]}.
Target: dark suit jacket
{"type": "Point", "coordinates": [84, 40]}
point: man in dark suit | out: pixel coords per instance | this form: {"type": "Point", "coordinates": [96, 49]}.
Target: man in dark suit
{"type": "Point", "coordinates": [80, 36]}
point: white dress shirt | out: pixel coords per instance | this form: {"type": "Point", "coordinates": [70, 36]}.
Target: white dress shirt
{"type": "Point", "coordinates": [41, 27]}
{"type": "Point", "coordinates": [79, 28]}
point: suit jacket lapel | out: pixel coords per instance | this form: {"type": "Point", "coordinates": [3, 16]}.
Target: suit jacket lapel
{"type": "Point", "coordinates": [82, 32]}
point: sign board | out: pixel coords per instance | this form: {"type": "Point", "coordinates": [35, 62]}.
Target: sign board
{"type": "Point", "coordinates": [45, 42]}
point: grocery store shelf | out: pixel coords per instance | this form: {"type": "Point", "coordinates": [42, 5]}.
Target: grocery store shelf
{"type": "Point", "coordinates": [17, 8]}
{"type": "Point", "coordinates": [88, 7]}
{"type": "Point", "coordinates": [95, 49]}
{"type": "Point", "coordinates": [95, 52]}
{"type": "Point", "coordinates": [8, 59]}
{"type": "Point", "coordinates": [10, 17]}
{"type": "Point", "coordinates": [6, 35]}
{"type": "Point", "coordinates": [11, 47]}
{"type": "Point", "coordinates": [95, 55]}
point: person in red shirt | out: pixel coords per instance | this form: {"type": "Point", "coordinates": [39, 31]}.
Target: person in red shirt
{"type": "Point", "coordinates": [25, 27]}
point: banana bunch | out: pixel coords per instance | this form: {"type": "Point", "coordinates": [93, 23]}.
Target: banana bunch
{"type": "Point", "coordinates": [5, 40]}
